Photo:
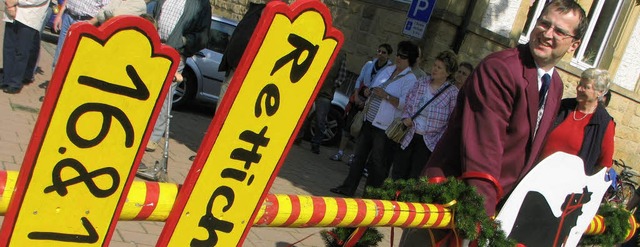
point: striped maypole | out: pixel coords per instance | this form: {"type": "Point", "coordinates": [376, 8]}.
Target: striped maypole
{"type": "Point", "coordinates": [312, 211]}
{"type": "Point", "coordinates": [153, 201]}
{"type": "Point", "coordinates": [596, 227]}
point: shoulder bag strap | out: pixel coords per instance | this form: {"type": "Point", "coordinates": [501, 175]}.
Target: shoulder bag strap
{"type": "Point", "coordinates": [430, 100]}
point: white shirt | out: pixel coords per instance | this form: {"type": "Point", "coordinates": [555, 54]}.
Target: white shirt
{"type": "Point", "coordinates": [30, 13]}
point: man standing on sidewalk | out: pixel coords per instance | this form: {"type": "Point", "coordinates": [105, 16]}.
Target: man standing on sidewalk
{"type": "Point", "coordinates": [183, 25]}
{"type": "Point", "coordinates": [23, 21]}
{"type": "Point", "coordinates": [337, 74]}
{"type": "Point", "coordinates": [74, 11]}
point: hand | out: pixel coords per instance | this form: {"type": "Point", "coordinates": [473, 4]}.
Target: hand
{"type": "Point", "coordinates": [10, 3]}
{"type": "Point", "coordinates": [57, 22]}
{"type": "Point", "coordinates": [407, 122]}
{"type": "Point", "coordinates": [178, 77]}
{"type": "Point", "coordinates": [379, 92]}
{"type": "Point", "coordinates": [93, 21]}
{"type": "Point", "coordinates": [11, 12]}
{"type": "Point", "coordinates": [367, 92]}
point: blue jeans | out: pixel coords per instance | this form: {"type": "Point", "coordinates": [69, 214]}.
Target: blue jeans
{"type": "Point", "coordinates": [67, 21]}
{"type": "Point", "coordinates": [161, 123]}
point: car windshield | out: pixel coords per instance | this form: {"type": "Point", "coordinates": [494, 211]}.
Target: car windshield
{"type": "Point", "coordinates": [220, 34]}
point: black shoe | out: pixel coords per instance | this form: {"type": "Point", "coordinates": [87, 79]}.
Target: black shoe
{"type": "Point", "coordinates": [44, 85]}
{"type": "Point", "coordinates": [192, 157]}
{"type": "Point", "coordinates": [315, 148]}
{"type": "Point", "coordinates": [28, 81]}
{"type": "Point", "coordinates": [339, 190]}
{"type": "Point", "coordinates": [3, 86]}
{"type": "Point", "coordinates": [41, 98]}
{"type": "Point", "coordinates": [12, 90]}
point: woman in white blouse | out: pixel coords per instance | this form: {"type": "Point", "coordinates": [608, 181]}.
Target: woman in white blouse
{"type": "Point", "coordinates": [386, 100]}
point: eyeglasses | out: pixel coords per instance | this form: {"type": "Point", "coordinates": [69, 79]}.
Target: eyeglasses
{"type": "Point", "coordinates": [402, 56]}
{"type": "Point", "coordinates": [383, 52]}
{"type": "Point", "coordinates": [558, 33]}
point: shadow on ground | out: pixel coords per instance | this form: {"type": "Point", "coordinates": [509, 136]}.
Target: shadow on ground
{"type": "Point", "coordinates": [189, 124]}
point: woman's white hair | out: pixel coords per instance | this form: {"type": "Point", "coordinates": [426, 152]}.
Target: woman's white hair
{"type": "Point", "coordinates": [601, 80]}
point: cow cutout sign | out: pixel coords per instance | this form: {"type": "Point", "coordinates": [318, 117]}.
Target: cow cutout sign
{"type": "Point", "coordinates": [554, 204]}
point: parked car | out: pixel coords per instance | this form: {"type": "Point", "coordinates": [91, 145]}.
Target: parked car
{"type": "Point", "coordinates": [202, 80]}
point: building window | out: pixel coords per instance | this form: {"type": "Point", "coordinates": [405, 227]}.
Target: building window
{"type": "Point", "coordinates": [602, 15]}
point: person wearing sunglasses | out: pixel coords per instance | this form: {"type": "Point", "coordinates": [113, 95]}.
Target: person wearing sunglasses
{"type": "Point", "coordinates": [357, 99]}
{"type": "Point", "coordinates": [385, 103]}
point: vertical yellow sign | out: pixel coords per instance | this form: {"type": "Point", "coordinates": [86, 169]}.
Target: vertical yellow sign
{"type": "Point", "coordinates": [280, 73]}
{"type": "Point", "coordinates": [89, 135]}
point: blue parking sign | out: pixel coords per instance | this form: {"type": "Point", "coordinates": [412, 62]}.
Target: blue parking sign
{"type": "Point", "coordinates": [421, 10]}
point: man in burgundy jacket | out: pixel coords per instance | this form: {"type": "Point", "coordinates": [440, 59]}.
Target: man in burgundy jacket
{"type": "Point", "coordinates": [495, 133]}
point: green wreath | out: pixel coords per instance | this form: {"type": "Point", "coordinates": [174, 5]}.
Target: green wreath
{"type": "Point", "coordinates": [616, 222]}
{"type": "Point", "coordinates": [469, 209]}
{"type": "Point", "coordinates": [469, 212]}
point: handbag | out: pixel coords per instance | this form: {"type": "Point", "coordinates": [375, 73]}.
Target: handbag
{"type": "Point", "coordinates": [397, 130]}
{"type": "Point", "coordinates": [356, 124]}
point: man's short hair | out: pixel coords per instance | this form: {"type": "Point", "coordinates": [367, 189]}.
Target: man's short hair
{"type": "Point", "coordinates": [566, 6]}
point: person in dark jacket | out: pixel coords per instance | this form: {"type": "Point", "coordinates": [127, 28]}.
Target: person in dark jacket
{"type": "Point", "coordinates": [183, 25]}
{"type": "Point", "coordinates": [334, 79]}
{"type": "Point", "coordinates": [583, 127]}
{"type": "Point", "coordinates": [238, 43]}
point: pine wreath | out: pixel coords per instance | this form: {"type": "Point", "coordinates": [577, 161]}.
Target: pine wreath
{"type": "Point", "coordinates": [337, 236]}
{"type": "Point", "coordinates": [469, 209]}
{"type": "Point", "coordinates": [616, 222]}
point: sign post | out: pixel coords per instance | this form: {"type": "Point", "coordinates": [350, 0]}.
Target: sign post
{"type": "Point", "coordinates": [271, 92]}
{"type": "Point", "coordinates": [418, 17]}
{"type": "Point", "coordinates": [90, 135]}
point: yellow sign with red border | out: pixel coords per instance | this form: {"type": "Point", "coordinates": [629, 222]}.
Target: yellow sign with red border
{"type": "Point", "coordinates": [271, 92]}
{"type": "Point", "coordinates": [90, 135]}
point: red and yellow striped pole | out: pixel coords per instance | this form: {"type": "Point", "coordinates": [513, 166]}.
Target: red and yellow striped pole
{"type": "Point", "coordinates": [153, 201]}
{"type": "Point", "coordinates": [312, 211]}
{"type": "Point", "coordinates": [596, 227]}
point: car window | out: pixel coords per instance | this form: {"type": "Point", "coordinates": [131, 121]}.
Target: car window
{"type": "Point", "coordinates": [219, 36]}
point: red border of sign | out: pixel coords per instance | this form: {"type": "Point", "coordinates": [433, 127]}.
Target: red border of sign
{"type": "Point", "coordinates": [75, 33]}
{"type": "Point", "coordinates": [270, 11]}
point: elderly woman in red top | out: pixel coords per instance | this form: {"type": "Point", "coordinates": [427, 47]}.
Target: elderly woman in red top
{"type": "Point", "coordinates": [583, 126]}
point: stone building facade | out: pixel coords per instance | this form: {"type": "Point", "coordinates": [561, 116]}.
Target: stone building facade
{"type": "Point", "coordinates": [475, 28]}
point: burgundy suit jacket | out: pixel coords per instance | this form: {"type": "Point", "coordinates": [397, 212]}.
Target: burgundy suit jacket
{"type": "Point", "coordinates": [490, 138]}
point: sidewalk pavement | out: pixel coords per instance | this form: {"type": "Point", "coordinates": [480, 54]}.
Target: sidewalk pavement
{"type": "Point", "coordinates": [302, 173]}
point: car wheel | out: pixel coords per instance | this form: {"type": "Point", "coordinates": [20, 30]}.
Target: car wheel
{"type": "Point", "coordinates": [335, 123]}
{"type": "Point", "coordinates": [186, 90]}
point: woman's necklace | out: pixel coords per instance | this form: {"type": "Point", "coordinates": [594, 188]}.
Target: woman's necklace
{"type": "Point", "coordinates": [578, 119]}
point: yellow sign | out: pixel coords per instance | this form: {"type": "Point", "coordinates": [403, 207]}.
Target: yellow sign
{"type": "Point", "coordinates": [90, 135]}
{"type": "Point", "coordinates": [290, 52]}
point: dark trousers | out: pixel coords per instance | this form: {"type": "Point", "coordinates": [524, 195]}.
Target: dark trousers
{"type": "Point", "coordinates": [18, 42]}
{"type": "Point", "coordinates": [323, 105]}
{"type": "Point", "coordinates": [408, 163]}
{"type": "Point", "coordinates": [374, 144]}
{"type": "Point", "coordinates": [34, 54]}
